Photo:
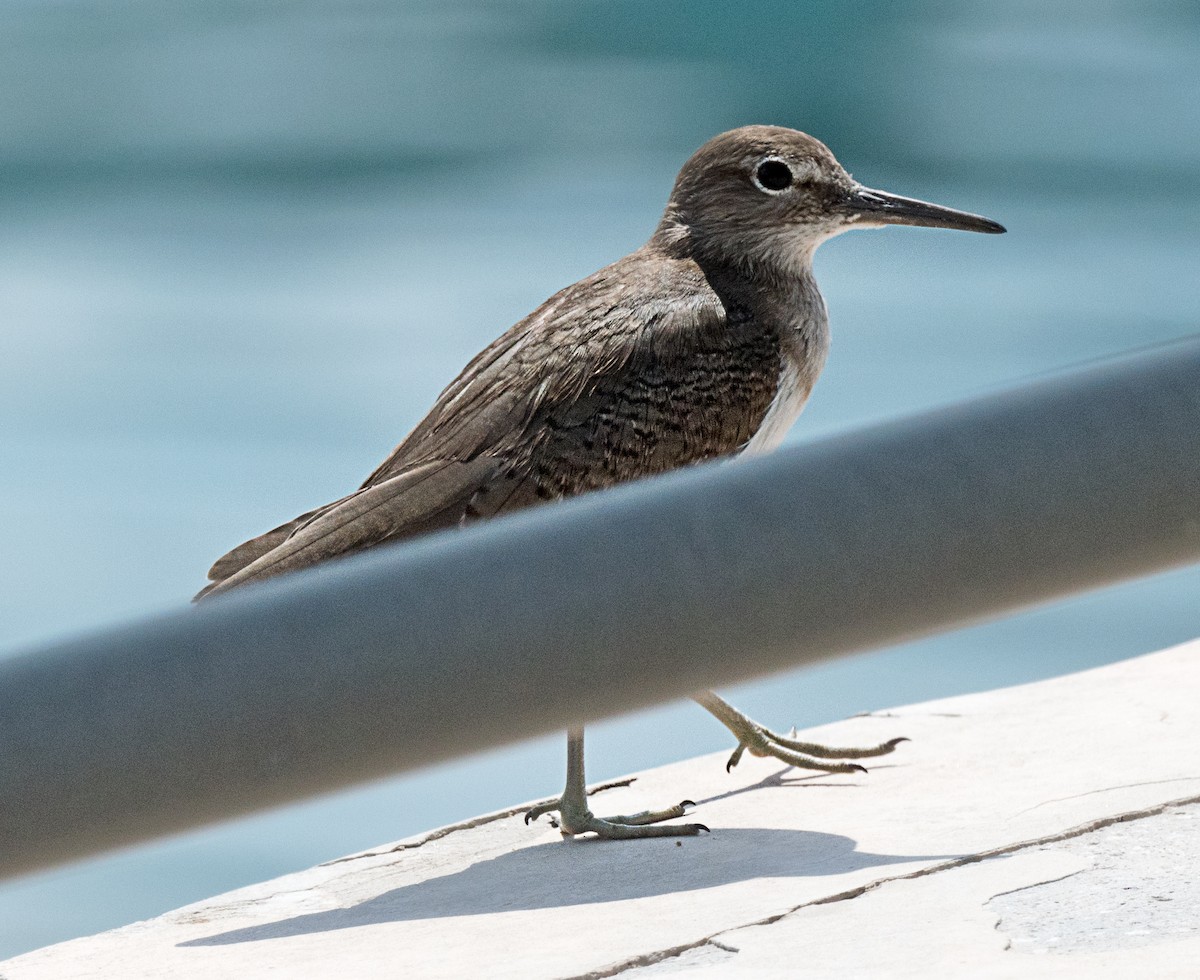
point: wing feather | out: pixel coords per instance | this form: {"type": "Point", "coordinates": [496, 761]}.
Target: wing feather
{"type": "Point", "coordinates": [513, 428]}
{"type": "Point", "coordinates": [248, 551]}
{"type": "Point", "coordinates": [421, 499]}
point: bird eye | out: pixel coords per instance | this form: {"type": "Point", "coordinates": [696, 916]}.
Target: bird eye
{"type": "Point", "coordinates": [773, 176]}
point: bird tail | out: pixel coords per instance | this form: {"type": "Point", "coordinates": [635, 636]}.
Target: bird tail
{"type": "Point", "coordinates": [423, 498]}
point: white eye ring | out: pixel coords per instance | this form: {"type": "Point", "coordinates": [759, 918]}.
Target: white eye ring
{"type": "Point", "coordinates": [773, 175]}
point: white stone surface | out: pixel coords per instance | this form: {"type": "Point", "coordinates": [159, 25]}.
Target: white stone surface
{"type": "Point", "coordinates": [1014, 817]}
{"type": "Point", "coordinates": [1138, 886]}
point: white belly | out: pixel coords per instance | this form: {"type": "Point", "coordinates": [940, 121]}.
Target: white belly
{"type": "Point", "coordinates": [785, 408]}
{"type": "Point", "coordinates": [803, 360]}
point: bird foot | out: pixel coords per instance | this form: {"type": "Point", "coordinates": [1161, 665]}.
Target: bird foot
{"type": "Point", "coordinates": [578, 819]}
{"type": "Point", "coordinates": [763, 742]}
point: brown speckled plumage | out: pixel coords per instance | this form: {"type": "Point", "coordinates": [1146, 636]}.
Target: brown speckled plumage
{"type": "Point", "coordinates": [673, 355]}
{"type": "Point", "coordinates": [604, 383]}
{"type": "Point", "coordinates": [703, 343]}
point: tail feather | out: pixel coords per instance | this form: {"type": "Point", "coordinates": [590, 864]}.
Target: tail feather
{"type": "Point", "coordinates": [423, 498]}
{"type": "Point", "coordinates": [248, 551]}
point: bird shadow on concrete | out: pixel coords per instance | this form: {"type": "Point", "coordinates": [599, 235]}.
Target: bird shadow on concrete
{"type": "Point", "coordinates": [776, 780]}
{"type": "Point", "coordinates": [587, 871]}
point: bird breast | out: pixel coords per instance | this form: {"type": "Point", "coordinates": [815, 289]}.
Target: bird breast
{"type": "Point", "coordinates": [805, 349]}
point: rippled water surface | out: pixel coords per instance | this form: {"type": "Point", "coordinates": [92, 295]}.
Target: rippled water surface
{"type": "Point", "coordinates": [242, 247]}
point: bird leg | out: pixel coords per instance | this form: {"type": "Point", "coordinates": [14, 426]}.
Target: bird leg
{"type": "Point", "coordinates": [764, 742]}
{"type": "Point", "coordinates": [574, 817]}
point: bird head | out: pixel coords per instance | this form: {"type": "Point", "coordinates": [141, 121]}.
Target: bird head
{"type": "Point", "coordinates": [768, 196]}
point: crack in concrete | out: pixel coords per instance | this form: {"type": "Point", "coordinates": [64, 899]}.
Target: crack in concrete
{"type": "Point", "coordinates": [998, 925]}
{"type": "Point", "coordinates": [1108, 789]}
{"type": "Point", "coordinates": [1035, 884]}
{"type": "Point", "coordinates": [469, 825]}
{"type": "Point", "coordinates": [907, 714]}
{"type": "Point", "coordinates": [658, 956]}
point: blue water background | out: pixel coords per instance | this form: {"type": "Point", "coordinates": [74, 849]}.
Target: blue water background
{"type": "Point", "coordinates": [243, 246]}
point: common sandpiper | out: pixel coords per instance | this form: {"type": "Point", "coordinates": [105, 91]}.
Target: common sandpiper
{"type": "Point", "coordinates": [704, 343]}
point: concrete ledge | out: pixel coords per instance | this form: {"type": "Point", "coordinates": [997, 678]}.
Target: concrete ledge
{"type": "Point", "coordinates": [1060, 818]}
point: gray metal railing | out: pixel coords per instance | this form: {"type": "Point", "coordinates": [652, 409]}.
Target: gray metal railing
{"type": "Point", "coordinates": [414, 654]}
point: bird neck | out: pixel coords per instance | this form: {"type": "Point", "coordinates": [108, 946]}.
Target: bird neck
{"type": "Point", "coordinates": [769, 279]}
{"type": "Point", "coordinates": [754, 264]}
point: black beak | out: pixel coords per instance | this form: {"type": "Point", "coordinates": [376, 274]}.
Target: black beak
{"type": "Point", "coordinates": [881, 208]}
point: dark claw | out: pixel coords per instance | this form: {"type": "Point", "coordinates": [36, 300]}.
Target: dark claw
{"type": "Point", "coordinates": [688, 803]}
{"type": "Point", "coordinates": [892, 743]}
{"type": "Point", "coordinates": [529, 819]}
{"type": "Point", "coordinates": [704, 827]}
{"type": "Point", "coordinates": [859, 768]}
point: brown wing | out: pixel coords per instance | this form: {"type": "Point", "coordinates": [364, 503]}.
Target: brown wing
{"type": "Point", "coordinates": [248, 551]}
{"type": "Point", "coordinates": [630, 372]}
{"type": "Point", "coordinates": [645, 313]}
{"type": "Point", "coordinates": [423, 498]}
